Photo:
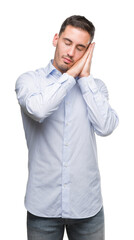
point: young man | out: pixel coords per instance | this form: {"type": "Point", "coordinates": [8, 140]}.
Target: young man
{"type": "Point", "coordinates": [62, 108]}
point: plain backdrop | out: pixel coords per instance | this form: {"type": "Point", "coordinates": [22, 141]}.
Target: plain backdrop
{"type": "Point", "coordinates": [27, 28]}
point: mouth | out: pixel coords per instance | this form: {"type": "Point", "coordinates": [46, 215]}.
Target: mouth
{"type": "Point", "coordinates": [67, 60]}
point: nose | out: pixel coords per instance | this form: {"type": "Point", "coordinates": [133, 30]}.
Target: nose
{"type": "Point", "coordinates": [71, 51]}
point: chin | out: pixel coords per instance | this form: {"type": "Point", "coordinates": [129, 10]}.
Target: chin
{"type": "Point", "coordinates": [63, 68]}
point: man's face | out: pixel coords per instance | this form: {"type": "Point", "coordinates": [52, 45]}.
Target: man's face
{"type": "Point", "coordinates": [70, 47]}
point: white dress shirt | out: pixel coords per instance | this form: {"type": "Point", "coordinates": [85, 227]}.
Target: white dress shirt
{"type": "Point", "coordinates": [61, 115]}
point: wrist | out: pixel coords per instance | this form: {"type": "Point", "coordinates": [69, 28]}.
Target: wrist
{"type": "Point", "coordinates": [72, 73]}
{"type": "Point", "coordinates": [84, 75]}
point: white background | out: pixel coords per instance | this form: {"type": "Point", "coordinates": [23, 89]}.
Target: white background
{"type": "Point", "coordinates": [26, 31]}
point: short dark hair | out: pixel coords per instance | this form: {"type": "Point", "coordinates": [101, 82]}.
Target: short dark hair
{"type": "Point", "coordinates": [78, 22]}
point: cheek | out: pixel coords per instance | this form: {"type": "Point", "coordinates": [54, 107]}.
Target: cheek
{"type": "Point", "coordinates": [79, 55]}
{"type": "Point", "coordinates": [61, 50]}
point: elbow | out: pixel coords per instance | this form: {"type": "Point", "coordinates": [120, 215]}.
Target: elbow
{"type": "Point", "coordinates": [104, 132]}
{"type": "Point", "coordinates": [35, 112]}
{"type": "Point", "coordinates": [34, 115]}
{"type": "Point", "coordinates": [108, 127]}
{"type": "Point", "coordinates": [39, 112]}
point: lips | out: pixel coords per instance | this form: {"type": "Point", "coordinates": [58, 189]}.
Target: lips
{"type": "Point", "coordinates": [67, 60]}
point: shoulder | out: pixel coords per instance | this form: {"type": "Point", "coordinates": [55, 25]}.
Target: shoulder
{"type": "Point", "coordinates": [26, 79]}
{"type": "Point", "coordinates": [31, 77]}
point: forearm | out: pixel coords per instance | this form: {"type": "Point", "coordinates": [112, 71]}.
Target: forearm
{"type": "Point", "coordinates": [103, 118]}
{"type": "Point", "coordinates": [37, 102]}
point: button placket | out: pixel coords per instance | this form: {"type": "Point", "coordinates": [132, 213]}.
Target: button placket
{"type": "Point", "coordinates": [65, 168]}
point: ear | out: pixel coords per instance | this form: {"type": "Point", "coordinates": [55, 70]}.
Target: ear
{"type": "Point", "coordinates": [55, 39]}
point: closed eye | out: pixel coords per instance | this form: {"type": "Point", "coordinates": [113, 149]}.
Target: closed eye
{"type": "Point", "coordinates": [68, 43]}
{"type": "Point", "coordinates": [80, 48]}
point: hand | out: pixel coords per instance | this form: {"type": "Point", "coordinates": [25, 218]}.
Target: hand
{"type": "Point", "coordinates": [87, 66]}
{"type": "Point", "coordinates": [82, 66]}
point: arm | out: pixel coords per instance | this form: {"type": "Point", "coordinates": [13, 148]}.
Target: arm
{"type": "Point", "coordinates": [101, 115]}
{"type": "Point", "coordinates": [103, 118]}
{"type": "Point", "coordinates": [39, 102]}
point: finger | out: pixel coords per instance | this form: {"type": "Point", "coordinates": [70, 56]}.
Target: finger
{"type": "Point", "coordinates": [91, 45]}
{"type": "Point", "coordinates": [86, 54]}
{"type": "Point", "coordinates": [91, 52]}
{"type": "Point", "coordinates": [92, 48]}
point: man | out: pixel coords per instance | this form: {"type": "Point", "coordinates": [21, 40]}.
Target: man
{"type": "Point", "coordinates": [62, 108]}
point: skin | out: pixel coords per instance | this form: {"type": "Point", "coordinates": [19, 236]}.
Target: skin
{"type": "Point", "coordinates": [73, 52]}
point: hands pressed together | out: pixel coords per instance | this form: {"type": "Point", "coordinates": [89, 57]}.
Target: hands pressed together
{"type": "Point", "coordinates": [82, 67]}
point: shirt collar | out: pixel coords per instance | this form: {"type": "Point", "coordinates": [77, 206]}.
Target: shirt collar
{"type": "Point", "coordinates": [52, 70]}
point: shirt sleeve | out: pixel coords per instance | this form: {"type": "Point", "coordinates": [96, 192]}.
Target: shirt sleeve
{"type": "Point", "coordinates": [39, 102]}
{"type": "Point", "coordinates": [103, 118]}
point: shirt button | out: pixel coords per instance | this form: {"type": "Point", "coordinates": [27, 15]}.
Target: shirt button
{"type": "Point", "coordinates": [66, 144]}
{"type": "Point", "coordinates": [65, 164]}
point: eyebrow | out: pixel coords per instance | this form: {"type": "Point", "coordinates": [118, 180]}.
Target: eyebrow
{"type": "Point", "coordinates": [80, 45]}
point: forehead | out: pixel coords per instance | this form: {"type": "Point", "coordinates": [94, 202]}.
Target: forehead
{"type": "Point", "coordinates": [76, 35]}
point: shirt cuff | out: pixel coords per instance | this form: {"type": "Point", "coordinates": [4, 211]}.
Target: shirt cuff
{"type": "Point", "coordinates": [87, 83]}
{"type": "Point", "coordinates": [67, 81]}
